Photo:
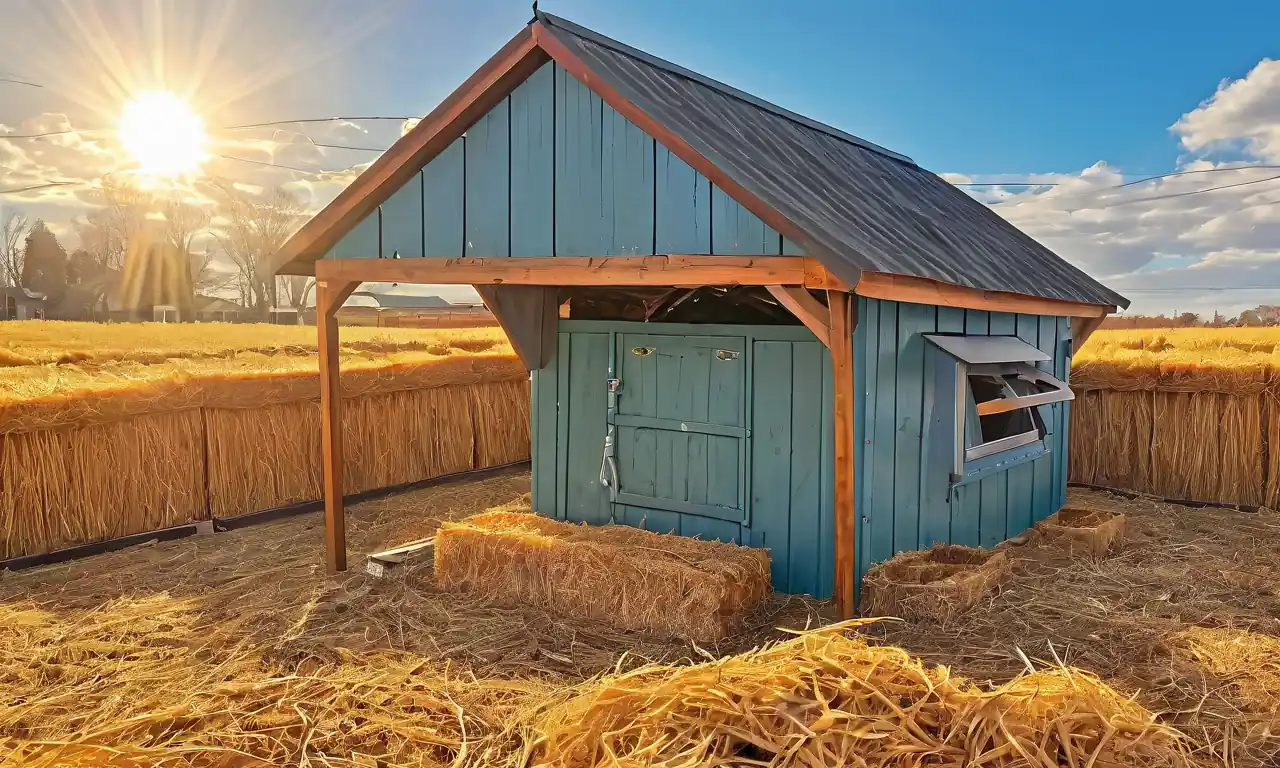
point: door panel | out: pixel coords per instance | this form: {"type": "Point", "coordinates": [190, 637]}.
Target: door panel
{"type": "Point", "coordinates": [680, 424]}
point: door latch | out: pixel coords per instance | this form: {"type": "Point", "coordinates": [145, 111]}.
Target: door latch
{"type": "Point", "coordinates": [726, 354]}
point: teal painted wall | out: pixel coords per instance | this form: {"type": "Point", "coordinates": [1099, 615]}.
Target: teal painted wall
{"type": "Point", "coordinates": [553, 171]}
{"type": "Point", "coordinates": [904, 499]}
{"type": "Point", "coordinates": [785, 404]}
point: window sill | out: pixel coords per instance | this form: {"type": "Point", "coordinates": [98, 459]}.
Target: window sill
{"type": "Point", "coordinates": [1000, 462]}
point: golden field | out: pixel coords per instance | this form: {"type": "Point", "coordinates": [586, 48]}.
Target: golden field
{"type": "Point", "coordinates": [1183, 413]}
{"type": "Point", "coordinates": [107, 430]}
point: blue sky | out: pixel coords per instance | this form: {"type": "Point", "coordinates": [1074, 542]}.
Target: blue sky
{"type": "Point", "coordinates": [1085, 95]}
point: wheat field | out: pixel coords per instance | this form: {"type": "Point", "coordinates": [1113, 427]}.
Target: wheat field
{"type": "Point", "coordinates": [109, 430]}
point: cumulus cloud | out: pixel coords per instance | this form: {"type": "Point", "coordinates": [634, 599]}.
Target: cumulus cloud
{"type": "Point", "coordinates": [1243, 113]}
{"type": "Point", "coordinates": [1196, 240]}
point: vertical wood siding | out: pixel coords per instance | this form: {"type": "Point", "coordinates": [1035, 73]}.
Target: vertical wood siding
{"type": "Point", "coordinates": [901, 504]}
{"type": "Point", "coordinates": [554, 171]}
{"type": "Point", "coordinates": [789, 490]}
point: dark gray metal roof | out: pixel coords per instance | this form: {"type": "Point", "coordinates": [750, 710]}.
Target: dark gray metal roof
{"type": "Point", "coordinates": [404, 300]}
{"type": "Point", "coordinates": [862, 207]}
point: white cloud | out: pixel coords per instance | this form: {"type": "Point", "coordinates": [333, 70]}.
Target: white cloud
{"type": "Point", "coordinates": [1242, 113]}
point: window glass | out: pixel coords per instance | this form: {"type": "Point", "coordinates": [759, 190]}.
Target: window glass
{"type": "Point", "coordinates": [997, 426]}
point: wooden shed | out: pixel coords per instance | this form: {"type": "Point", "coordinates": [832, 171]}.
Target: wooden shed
{"type": "Point", "coordinates": [741, 323]}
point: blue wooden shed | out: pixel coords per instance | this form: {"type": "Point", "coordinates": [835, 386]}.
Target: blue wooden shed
{"type": "Point", "coordinates": [740, 323]}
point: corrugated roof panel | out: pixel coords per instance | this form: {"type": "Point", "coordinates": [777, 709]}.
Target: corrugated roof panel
{"type": "Point", "coordinates": [863, 208]}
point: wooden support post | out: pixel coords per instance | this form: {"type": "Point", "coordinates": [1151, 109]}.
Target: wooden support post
{"type": "Point", "coordinates": [843, 320]}
{"type": "Point", "coordinates": [329, 297]}
{"type": "Point", "coordinates": [1082, 328]}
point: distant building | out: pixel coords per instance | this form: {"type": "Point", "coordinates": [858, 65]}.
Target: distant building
{"type": "Point", "coordinates": [211, 309]}
{"type": "Point", "coordinates": [20, 304]}
{"type": "Point", "coordinates": [398, 310]}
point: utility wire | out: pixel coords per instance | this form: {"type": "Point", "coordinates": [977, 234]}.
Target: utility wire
{"type": "Point", "coordinates": [263, 162]}
{"type": "Point", "coordinates": [43, 185]}
{"type": "Point", "coordinates": [16, 81]}
{"type": "Point", "coordinates": [1188, 193]}
{"type": "Point", "coordinates": [221, 128]}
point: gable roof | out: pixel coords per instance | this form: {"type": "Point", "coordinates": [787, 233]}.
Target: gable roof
{"type": "Point", "coordinates": [849, 203]}
{"type": "Point", "coordinates": [404, 300]}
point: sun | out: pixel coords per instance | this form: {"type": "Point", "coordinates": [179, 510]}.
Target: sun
{"type": "Point", "coordinates": [162, 134]}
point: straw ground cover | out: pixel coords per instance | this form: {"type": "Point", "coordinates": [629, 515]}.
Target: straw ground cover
{"type": "Point", "coordinates": [234, 649]}
{"type": "Point", "coordinates": [161, 425]}
{"type": "Point", "coordinates": [1182, 413]}
{"type": "Point", "coordinates": [1184, 612]}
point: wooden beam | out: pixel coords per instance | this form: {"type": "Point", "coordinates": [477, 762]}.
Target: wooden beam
{"type": "Point", "coordinates": [1081, 329]}
{"type": "Point", "coordinates": [807, 309]}
{"type": "Point", "coordinates": [329, 297]}
{"type": "Point", "coordinates": [919, 290]}
{"type": "Point", "coordinates": [528, 315]}
{"type": "Point", "coordinates": [843, 308]}
{"type": "Point", "coordinates": [485, 89]}
{"type": "Point", "coordinates": [693, 271]}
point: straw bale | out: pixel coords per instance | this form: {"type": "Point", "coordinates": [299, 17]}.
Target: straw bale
{"type": "Point", "coordinates": [825, 698]}
{"type": "Point", "coordinates": [1088, 530]}
{"type": "Point", "coordinates": [934, 584]}
{"type": "Point", "coordinates": [72, 486]}
{"type": "Point", "coordinates": [262, 457]}
{"type": "Point", "coordinates": [406, 436]}
{"type": "Point", "coordinates": [1271, 440]}
{"type": "Point", "coordinates": [632, 579]}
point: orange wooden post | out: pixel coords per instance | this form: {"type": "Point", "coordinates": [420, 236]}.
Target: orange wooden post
{"type": "Point", "coordinates": [329, 297]}
{"type": "Point", "coordinates": [843, 320]}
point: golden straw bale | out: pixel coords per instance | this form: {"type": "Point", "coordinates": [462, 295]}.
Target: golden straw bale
{"type": "Point", "coordinates": [406, 436]}
{"type": "Point", "coordinates": [828, 699]}
{"type": "Point", "coordinates": [1091, 531]}
{"type": "Point", "coordinates": [632, 579]}
{"type": "Point", "coordinates": [934, 584]}
{"type": "Point", "coordinates": [71, 486]}
{"type": "Point", "coordinates": [1242, 477]}
{"type": "Point", "coordinates": [1271, 418]}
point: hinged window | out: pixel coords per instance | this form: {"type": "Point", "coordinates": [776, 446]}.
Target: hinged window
{"type": "Point", "coordinates": [1002, 399]}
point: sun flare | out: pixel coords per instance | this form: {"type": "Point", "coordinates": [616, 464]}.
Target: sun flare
{"type": "Point", "coordinates": [162, 134]}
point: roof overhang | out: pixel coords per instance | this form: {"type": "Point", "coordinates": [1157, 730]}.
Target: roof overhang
{"type": "Point", "coordinates": [515, 62]}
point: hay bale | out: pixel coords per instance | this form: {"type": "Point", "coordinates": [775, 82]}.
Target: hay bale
{"type": "Point", "coordinates": [825, 698]}
{"type": "Point", "coordinates": [934, 584]}
{"type": "Point", "coordinates": [632, 579]}
{"type": "Point", "coordinates": [1083, 530]}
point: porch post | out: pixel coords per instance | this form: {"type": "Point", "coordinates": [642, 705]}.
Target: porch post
{"type": "Point", "coordinates": [843, 320]}
{"type": "Point", "coordinates": [329, 297]}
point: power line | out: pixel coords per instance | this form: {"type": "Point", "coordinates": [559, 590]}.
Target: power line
{"type": "Point", "coordinates": [1189, 193]}
{"type": "Point", "coordinates": [19, 82]}
{"type": "Point", "coordinates": [1198, 170]}
{"type": "Point", "coordinates": [263, 162]}
{"type": "Point", "coordinates": [42, 185]}
{"type": "Point", "coordinates": [245, 126]}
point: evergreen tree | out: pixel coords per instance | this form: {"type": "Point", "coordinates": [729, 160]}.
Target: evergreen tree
{"type": "Point", "coordinates": [44, 268]}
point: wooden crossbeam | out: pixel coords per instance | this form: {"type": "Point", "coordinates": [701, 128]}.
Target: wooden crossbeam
{"type": "Point", "coordinates": [674, 270]}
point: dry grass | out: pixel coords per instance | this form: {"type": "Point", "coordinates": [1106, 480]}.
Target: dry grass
{"type": "Point", "coordinates": [1124, 617]}
{"type": "Point", "coordinates": [632, 579]}
{"type": "Point", "coordinates": [40, 342]}
{"type": "Point", "coordinates": [236, 650]}
{"type": "Point", "coordinates": [1087, 531]}
{"type": "Point", "coordinates": [179, 653]}
{"type": "Point", "coordinates": [827, 699]}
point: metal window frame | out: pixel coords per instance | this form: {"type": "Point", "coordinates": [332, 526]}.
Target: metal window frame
{"type": "Point", "coordinates": [1010, 401]}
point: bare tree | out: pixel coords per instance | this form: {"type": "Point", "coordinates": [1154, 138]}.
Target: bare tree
{"type": "Point", "coordinates": [183, 223]}
{"type": "Point", "coordinates": [13, 231]}
{"type": "Point", "coordinates": [295, 289]}
{"type": "Point", "coordinates": [252, 230]}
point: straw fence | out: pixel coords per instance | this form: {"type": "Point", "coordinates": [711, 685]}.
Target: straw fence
{"type": "Point", "coordinates": [1199, 430]}
{"type": "Point", "coordinates": [97, 454]}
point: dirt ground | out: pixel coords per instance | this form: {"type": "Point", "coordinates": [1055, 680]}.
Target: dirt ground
{"type": "Point", "coordinates": [74, 637]}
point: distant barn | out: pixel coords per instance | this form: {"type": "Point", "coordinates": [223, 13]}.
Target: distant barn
{"type": "Point", "coordinates": [742, 324]}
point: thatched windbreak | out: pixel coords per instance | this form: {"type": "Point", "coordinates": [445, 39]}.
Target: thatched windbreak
{"type": "Point", "coordinates": [101, 449]}
{"type": "Point", "coordinates": [1188, 414]}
